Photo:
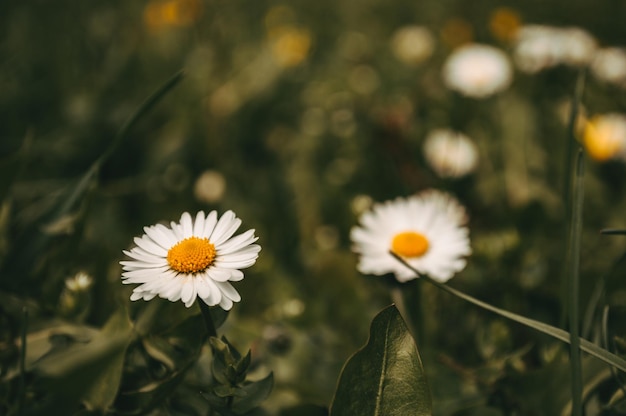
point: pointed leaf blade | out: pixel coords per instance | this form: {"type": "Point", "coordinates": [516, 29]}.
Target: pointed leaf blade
{"type": "Point", "coordinates": [386, 376]}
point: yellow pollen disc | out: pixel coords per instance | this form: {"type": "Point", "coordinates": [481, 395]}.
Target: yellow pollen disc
{"type": "Point", "coordinates": [191, 255]}
{"type": "Point", "coordinates": [409, 244]}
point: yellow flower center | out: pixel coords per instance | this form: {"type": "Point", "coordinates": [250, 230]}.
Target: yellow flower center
{"type": "Point", "coordinates": [409, 244]}
{"type": "Point", "coordinates": [191, 255]}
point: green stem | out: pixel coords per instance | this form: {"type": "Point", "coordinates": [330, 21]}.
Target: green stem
{"type": "Point", "coordinates": [574, 285]}
{"type": "Point", "coordinates": [407, 298]}
{"type": "Point", "coordinates": [208, 319]}
{"type": "Point", "coordinates": [550, 330]}
{"type": "Point", "coordinates": [21, 389]}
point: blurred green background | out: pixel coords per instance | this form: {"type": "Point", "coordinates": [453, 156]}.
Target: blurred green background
{"type": "Point", "coordinates": [297, 115]}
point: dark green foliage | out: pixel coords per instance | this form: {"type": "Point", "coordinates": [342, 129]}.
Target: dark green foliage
{"type": "Point", "coordinates": [386, 376]}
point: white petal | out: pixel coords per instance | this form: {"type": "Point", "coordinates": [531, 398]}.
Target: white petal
{"type": "Point", "coordinates": [150, 247]}
{"type": "Point", "coordinates": [215, 295]}
{"type": "Point", "coordinates": [225, 228]}
{"type": "Point", "coordinates": [238, 242]}
{"type": "Point", "coordinates": [135, 265]}
{"type": "Point", "coordinates": [229, 291]}
{"type": "Point", "coordinates": [198, 225]}
{"type": "Point", "coordinates": [236, 275]}
{"type": "Point", "coordinates": [234, 264]}
{"type": "Point", "coordinates": [188, 293]}
{"type": "Point", "coordinates": [218, 275]}
{"type": "Point", "coordinates": [226, 303]}
{"type": "Point", "coordinates": [187, 225]}
{"type": "Point", "coordinates": [209, 224]}
{"type": "Point", "coordinates": [239, 256]}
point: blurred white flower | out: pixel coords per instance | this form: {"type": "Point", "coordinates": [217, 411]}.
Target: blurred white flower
{"type": "Point", "coordinates": [604, 136]}
{"type": "Point", "coordinates": [210, 186]}
{"type": "Point", "coordinates": [427, 230]}
{"type": "Point", "coordinates": [412, 45]}
{"type": "Point", "coordinates": [539, 47]}
{"type": "Point", "coordinates": [449, 153]}
{"type": "Point", "coordinates": [191, 259]}
{"type": "Point", "coordinates": [609, 65]}
{"type": "Point", "coordinates": [477, 70]}
{"type": "Point", "coordinates": [80, 282]}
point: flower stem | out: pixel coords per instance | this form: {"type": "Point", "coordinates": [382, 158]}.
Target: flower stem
{"type": "Point", "coordinates": [407, 300]}
{"type": "Point", "coordinates": [208, 320]}
{"type": "Point", "coordinates": [22, 365]}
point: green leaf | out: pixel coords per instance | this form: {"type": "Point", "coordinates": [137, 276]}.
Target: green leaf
{"type": "Point", "coordinates": [254, 394]}
{"type": "Point", "coordinates": [104, 388]}
{"type": "Point", "coordinates": [385, 377]}
{"type": "Point", "coordinates": [63, 215]}
{"type": "Point", "coordinates": [89, 372]}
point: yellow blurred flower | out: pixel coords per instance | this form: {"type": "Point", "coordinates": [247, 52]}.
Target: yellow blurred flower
{"type": "Point", "coordinates": [289, 42]}
{"type": "Point", "coordinates": [456, 32]}
{"type": "Point", "coordinates": [159, 14]}
{"type": "Point", "coordinates": [504, 23]}
{"type": "Point", "coordinates": [290, 45]}
{"type": "Point", "coordinates": [604, 136]}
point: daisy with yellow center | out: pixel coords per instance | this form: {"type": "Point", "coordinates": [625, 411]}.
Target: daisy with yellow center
{"type": "Point", "coordinates": [191, 259]}
{"type": "Point", "coordinates": [427, 230]}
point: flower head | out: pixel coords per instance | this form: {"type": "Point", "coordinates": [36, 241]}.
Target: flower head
{"type": "Point", "coordinates": [477, 70]}
{"type": "Point", "coordinates": [427, 230]}
{"type": "Point", "coordinates": [451, 154]}
{"type": "Point", "coordinates": [604, 136]}
{"type": "Point", "coordinates": [609, 65]}
{"type": "Point", "coordinates": [539, 47]}
{"type": "Point", "coordinates": [413, 45]}
{"type": "Point", "coordinates": [192, 258]}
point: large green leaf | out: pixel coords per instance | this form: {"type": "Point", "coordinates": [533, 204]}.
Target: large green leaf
{"type": "Point", "coordinates": [88, 373]}
{"type": "Point", "coordinates": [385, 377]}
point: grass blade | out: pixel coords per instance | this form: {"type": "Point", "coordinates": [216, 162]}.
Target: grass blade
{"type": "Point", "coordinates": [550, 330]}
{"type": "Point", "coordinates": [573, 263]}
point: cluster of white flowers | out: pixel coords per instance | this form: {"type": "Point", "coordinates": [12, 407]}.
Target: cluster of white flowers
{"type": "Point", "coordinates": [477, 70]}
{"type": "Point", "coordinates": [427, 230]}
{"type": "Point", "coordinates": [539, 47]}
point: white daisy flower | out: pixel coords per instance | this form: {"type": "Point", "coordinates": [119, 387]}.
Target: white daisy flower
{"type": "Point", "coordinates": [191, 259]}
{"type": "Point", "coordinates": [427, 230]}
{"type": "Point", "coordinates": [477, 70]}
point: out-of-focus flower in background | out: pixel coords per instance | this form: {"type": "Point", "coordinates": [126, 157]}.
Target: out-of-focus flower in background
{"type": "Point", "coordinates": [604, 136]}
{"type": "Point", "coordinates": [477, 70]}
{"type": "Point", "coordinates": [290, 45]}
{"type": "Point", "coordinates": [609, 65]}
{"type": "Point", "coordinates": [456, 32]}
{"type": "Point", "coordinates": [449, 153]}
{"type": "Point", "coordinates": [193, 258]}
{"type": "Point", "coordinates": [539, 47]}
{"type": "Point", "coordinates": [210, 186]}
{"type": "Point", "coordinates": [504, 23]}
{"type": "Point", "coordinates": [160, 14]}
{"type": "Point", "coordinates": [289, 42]}
{"type": "Point", "coordinates": [75, 299]}
{"type": "Point", "coordinates": [427, 230]}
{"type": "Point", "coordinates": [413, 44]}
